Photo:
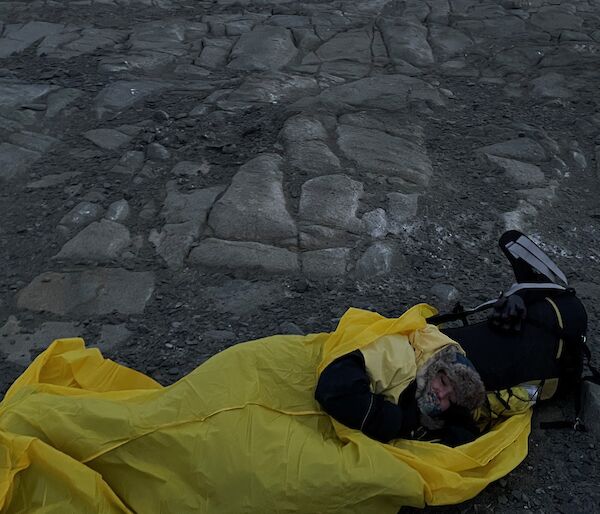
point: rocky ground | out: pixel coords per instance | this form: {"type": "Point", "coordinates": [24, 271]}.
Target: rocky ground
{"type": "Point", "coordinates": [179, 176]}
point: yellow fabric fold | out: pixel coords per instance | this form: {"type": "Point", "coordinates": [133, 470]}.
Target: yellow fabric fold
{"type": "Point", "coordinates": [241, 433]}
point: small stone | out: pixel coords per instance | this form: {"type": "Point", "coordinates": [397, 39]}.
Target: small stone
{"type": "Point", "coordinates": [288, 327]}
{"type": "Point", "coordinates": [160, 116]}
{"type": "Point", "coordinates": [112, 336]}
{"type": "Point", "coordinates": [108, 139]}
{"type": "Point", "coordinates": [131, 162]}
{"type": "Point", "coordinates": [558, 164]}
{"type": "Point", "coordinates": [187, 169]}
{"type": "Point", "coordinates": [377, 260]}
{"type": "Point", "coordinates": [401, 208]}
{"type": "Point", "coordinates": [11, 327]}
{"type": "Point", "coordinates": [117, 211]}
{"type": "Point", "coordinates": [579, 159]}
{"type": "Point", "coordinates": [375, 223]}
{"type": "Point", "coordinates": [158, 152]}
{"type": "Point", "coordinates": [445, 292]}
{"type": "Point", "coordinates": [82, 214]}
{"type": "Point", "coordinates": [148, 210]}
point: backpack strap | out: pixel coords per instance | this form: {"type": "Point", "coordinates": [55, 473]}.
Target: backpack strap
{"type": "Point", "coordinates": [578, 424]}
{"type": "Point", "coordinates": [460, 313]}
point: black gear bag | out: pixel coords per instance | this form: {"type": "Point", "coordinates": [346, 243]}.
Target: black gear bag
{"type": "Point", "coordinates": [536, 333]}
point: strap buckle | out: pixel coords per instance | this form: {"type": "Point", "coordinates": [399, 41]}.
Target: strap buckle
{"type": "Point", "coordinates": [579, 426]}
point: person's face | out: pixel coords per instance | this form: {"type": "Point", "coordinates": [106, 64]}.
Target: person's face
{"type": "Point", "coordinates": [443, 390]}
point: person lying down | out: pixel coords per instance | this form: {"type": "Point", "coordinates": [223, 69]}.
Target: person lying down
{"type": "Point", "coordinates": [388, 393]}
{"type": "Point", "coordinates": [243, 432]}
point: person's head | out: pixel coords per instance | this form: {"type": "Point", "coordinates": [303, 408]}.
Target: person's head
{"type": "Point", "coordinates": [447, 379]}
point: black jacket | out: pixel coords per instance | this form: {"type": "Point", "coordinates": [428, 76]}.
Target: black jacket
{"type": "Point", "coordinates": [344, 392]}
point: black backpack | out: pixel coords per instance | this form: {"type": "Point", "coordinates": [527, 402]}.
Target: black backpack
{"type": "Point", "coordinates": [548, 349]}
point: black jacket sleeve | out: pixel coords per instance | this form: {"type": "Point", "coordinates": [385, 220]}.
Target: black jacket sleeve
{"type": "Point", "coordinates": [344, 392]}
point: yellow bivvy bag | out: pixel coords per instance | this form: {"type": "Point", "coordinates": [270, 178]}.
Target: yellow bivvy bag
{"type": "Point", "coordinates": [240, 434]}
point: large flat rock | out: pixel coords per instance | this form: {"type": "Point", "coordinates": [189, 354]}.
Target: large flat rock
{"type": "Point", "coordinates": [328, 262]}
{"type": "Point", "coordinates": [33, 141]}
{"type": "Point", "coordinates": [93, 292]}
{"type": "Point", "coordinates": [264, 48]}
{"type": "Point", "coordinates": [522, 173]}
{"type": "Point", "coordinates": [186, 216]}
{"type": "Point", "coordinates": [331, 200]}
{"type": "Point", "coordinates": [101, 241]}
{"type": "Point", "coordinates": [122, 94]}
{"type": "Point", "coordinates": [217, 253]}
{"type": "Point", "coordinates": [385, 92]}
{"type": "Point", "coordinates": [408, 43]}
{"type": "Point", "coordinates": [314, 157]}
{"type": "Point", "coordinates": [183, 207]}
{"type": "Point", "coordinates": [448, 42]}
{"type": "Point", "coordinates": [550, 85]}
{"type": "Point", "coordinates": [376, 151]}
{"type": "Point", "coordinates": [17, 344]}
{"type": "Point", "coordinates": [109, 139]}
{"type": "Point", "coordinates": [174, 241]}
{"type": "Point", "coordinates": [303, 128]}
{"type": "Point", "coordinates": [558, 17]}
{"type": "Point", "coordinates": [18, 38]}
{"type": "Point", "coordinates": [15, 160]}
{"type": "Point", "coordinates": [254, 207]}
{"type": "Point", "coordinates": [520, 149]}
{"type": "Point", "coordinates": [274, 87]}
{"type": "Point", "coordinates": [353, 45]}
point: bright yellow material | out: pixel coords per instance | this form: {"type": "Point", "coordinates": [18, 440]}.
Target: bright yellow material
{"type": "Point", "coordinates": [241, 433]}
{"type": "Point", "coordinates": [392, 360]}
{"type": "Point", "coordinates": [429, 340]}
{"type": "Point", "coordinates": [505, 403]}
{"type": "Point", "coordinates": [390, 364]}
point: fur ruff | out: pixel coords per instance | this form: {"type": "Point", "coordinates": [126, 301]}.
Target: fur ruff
{"type": "Point", "coordinates": [468, 386]}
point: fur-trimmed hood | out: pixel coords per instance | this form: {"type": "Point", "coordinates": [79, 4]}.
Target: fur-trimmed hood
{"type": "Point", "coordinates": [468, 386]}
